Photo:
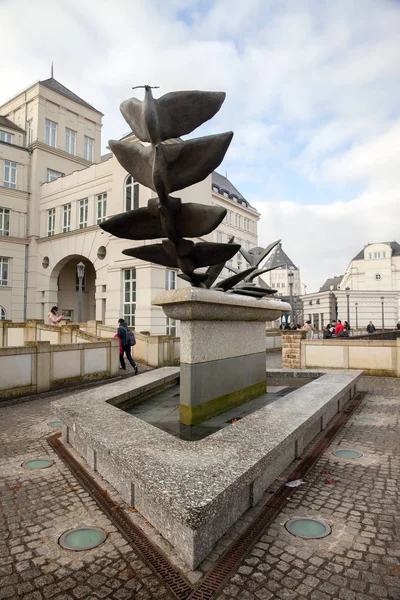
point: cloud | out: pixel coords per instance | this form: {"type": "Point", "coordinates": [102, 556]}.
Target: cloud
{"type": "Point", "coordinates": [312, 88]}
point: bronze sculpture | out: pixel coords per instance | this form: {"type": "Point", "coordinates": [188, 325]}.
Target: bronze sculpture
{"type": "Point", "coordinates": [168, 164]}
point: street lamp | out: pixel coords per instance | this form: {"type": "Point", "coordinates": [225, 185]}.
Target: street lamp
{"type": "Point", "coordinates": [348, 304]}
{"type": "Point", "coordinates": [80, 269]}
{"type": "Point", "coordinates": [291, 279]}
{"type": "Point", "coordinates": [383, 313]}
{"type": "Point", "coordinates": [356, 305]}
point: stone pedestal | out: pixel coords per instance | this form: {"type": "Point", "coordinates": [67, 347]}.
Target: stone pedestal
{"type": "Point", "coordinates": [222, 348]}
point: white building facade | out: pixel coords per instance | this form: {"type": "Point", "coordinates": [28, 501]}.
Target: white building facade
{"type": "Point", "coordinates": [63, 190]}
{"type": "Point", "coordinates": [368, 291]}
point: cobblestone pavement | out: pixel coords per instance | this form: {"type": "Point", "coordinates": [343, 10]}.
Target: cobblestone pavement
{"type": "Point", "coordinates": [360, 560]}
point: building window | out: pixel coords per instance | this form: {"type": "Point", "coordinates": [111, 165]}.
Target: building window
{"type": "Point", "coordinates": [170, 280]}
{"type": "Point", "coordinates": [30, 131]}
{"type": "Point", "coordinates": [88, 144]}
{"type": "Point", "coordinates": [51, 221]}
{"type": "Point", "coordinates": [4, 221]}
{"type": "Point", "coordinates": [4, 270]}
{"type": "Point", "coordinates": [6, 137]}
{"type": "Point", "coordinates": [129, 296]}
{"type": "Point", "coordinates": [66, 218]}
{"type": "Point", "coordinates": [383, 254]}
{"type": "Point", "coordinates": [131, 194]}
{"type": "Point", "coordinates": [378, 277]}
{"type": "Point", "coordinates": [171, 327]}
{"type": "Point", "coordinates": [10, 174]}
{"type": "Point", "coordinates": [225, 194]}
{"type": "Point", "coordinates": [229, 217]}
{"type": "Point", "coordinates": [215, 189]}
{"type": "Point", "coordinates": [101, 207]}
{"type": "Point", "coordinates": [51, 133]}
{"type": "Point", "coordinates": [70, 141]}
{"type": "Point", "coordinates": [3, 314]}
{"type": "Point", "coordinates": [83, 213]}
{"type": "Point", "coordinates": [369, 254]}
{"type": "Point", "coordinates": [219, 237]}
{"type": "Point", "coordinates": [52, 175]}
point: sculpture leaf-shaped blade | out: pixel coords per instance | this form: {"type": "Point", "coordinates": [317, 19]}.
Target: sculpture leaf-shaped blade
{"type": "Point", "coordinates": [210, 253]}
{"type": "Point", "coordinates": [229, 282]}
{"type": "Point", "coordinates": [132, 111]}
{"type": "Point", "coordinates": [177, 113]}
{"type": "Point", "coordinates": [192, 220]}
{"type": "Point", "coordinates": [195, 220]}
{"type": "Point", "coordinates": [182, 112]}
{"type": "Point", "coordinates": [154, 253]}
{"type": "Point", "coordinates": [136, 224]}
{"type": "Point", "coordinates": [136, 159]}
{"type": "Point", "coordinates": [256, 255]}
{"type": "Point", "coordinates": [197, 159]}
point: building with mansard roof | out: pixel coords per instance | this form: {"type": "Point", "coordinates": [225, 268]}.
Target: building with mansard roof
{"type": "Point", "coordinates": [369, 290]}
{"type": "Point", "coordinates": [55, 190]}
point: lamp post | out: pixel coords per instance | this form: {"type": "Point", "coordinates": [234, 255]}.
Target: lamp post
{"type": "Point", "coordinates": [356, 305]}
{"type": "Point", "coordinates": [348, 304]}
{"type": "Point", "coordinates": [383, 313]}
{"type": "Point", "coordinates": [291, 279]}
{"type": "Point", "coordinates": [80, 269]}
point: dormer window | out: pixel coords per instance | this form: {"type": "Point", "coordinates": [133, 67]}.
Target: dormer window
{"type": "Point", "coordinates": [6, 137]}
{"type": "Point", "coordinates": [215, 189]}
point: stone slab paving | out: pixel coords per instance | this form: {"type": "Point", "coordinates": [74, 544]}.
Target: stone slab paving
{"type": "Point", "coordinates": [38, 506]}
{"type": "Point", "coordinates": [360, 560]}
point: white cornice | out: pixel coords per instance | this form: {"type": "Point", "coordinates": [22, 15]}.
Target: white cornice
{"type": "Point", "coordinates": [37, 145]}
{"type": "Point", "coordinates": [58, 236]}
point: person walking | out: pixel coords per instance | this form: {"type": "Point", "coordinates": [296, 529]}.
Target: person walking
{"type": "Point", "coordinates": [371, 327]}
{"type": "Point", "coordinates": [53, 317]}
{"type": "Point", "coordinates": [127, 341]}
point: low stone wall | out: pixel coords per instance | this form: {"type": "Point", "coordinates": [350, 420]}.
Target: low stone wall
{"type": "Point", "coordinates": [273, 341]}
{"type": "Point", "coordinates": [153, 350]}
{"type": "Point", "coordinates": [373, 356]}
{"type": "Point", "coordinates": [193, 492]}
{"type": "Point", "coordinates": [41, 366]}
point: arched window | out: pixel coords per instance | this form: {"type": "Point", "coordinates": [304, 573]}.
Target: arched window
{"type": "Point", "coordinates": [131, 193]}
{"type": "Point", "coordinates": [3, 314]}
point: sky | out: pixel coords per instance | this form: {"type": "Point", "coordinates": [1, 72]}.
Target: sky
{"type": "Point", "coordinates": [313, 98]}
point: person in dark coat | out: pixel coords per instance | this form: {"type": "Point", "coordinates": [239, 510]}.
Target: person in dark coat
{"type": "Point", "coordinates": [123, 334]}
{"type": "Point", "coordinates": [371, 327]}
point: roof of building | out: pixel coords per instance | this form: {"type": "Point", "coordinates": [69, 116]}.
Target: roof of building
{"type": "Point", "coordinates": [4, 122]}
{"type": "Point", "coordinates": [395, 246]}
{"type": "Point", "coordinates": [224, 185]}
{"type": "Point", "coordinates": [59, 88]}
{"type": "Point", "coordinates": [279, 257]}
{"type": "Point", "coordinates": [335, 281]}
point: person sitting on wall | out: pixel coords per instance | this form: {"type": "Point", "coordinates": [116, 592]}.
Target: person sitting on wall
{"type": "Point", "coordinates": [371, 327]}
{"type": "Point", "coordinates": [343, 333]}
{"type": "Point", "coordinates": [53, 317]}
{"type": "Point", "coordinates": [290, 326]}
{"type": "Point", "coordinates": [333, 327]}
{"type": "Point", "coordinates": [308, 328]}
{"type": "Point", "coordinates": [398, 325]}
{"type": "Point", "coordinates": [127, 340]}
{"type": "Point", "coordinates": [339, 327]}
{"type": "Point", "coordinates": [326, 332]}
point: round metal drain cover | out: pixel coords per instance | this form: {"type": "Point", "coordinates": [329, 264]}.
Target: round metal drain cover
{"type": "Point", "coordinates": [347, 453]}
{"type": "Point", "coordinates": [55, 424]}
{"type": "Point", "coordinates": [40, 463]}
{"type": "Point", "coordinates": [308, 528]}
{"type": "Point", "coordinates": [82, 538]}
{"type": "Point", "coordinates": [367, 420]}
